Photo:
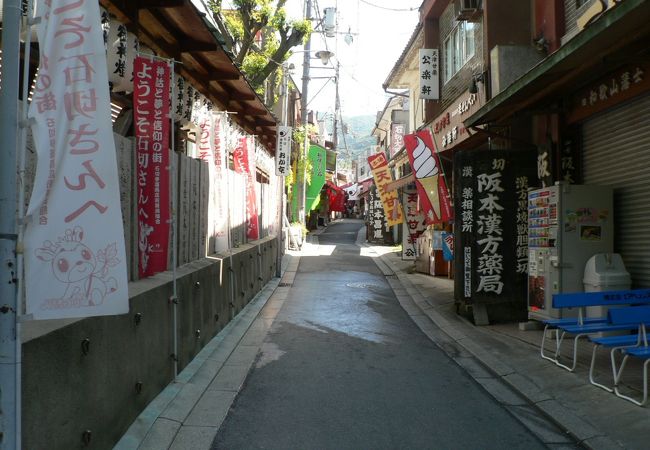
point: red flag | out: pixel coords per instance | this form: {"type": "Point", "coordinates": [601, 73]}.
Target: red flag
{"type": "Point", "coordinates": [151, 117]}
{"type": "Point", "coordinates": [429, 179]}
{"type": "Point", "coordinates": [242, 165]}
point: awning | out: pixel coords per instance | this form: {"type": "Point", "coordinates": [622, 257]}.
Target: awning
{"type": "Point", "coordinates": [574, 63]}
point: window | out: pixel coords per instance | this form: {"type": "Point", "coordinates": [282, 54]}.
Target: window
{"type": "Point", "coordinates": [459, 47]}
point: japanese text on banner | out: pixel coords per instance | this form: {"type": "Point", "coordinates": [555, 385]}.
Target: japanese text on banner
{"type": "Point", "coordinates": [75, 264]}
{"type": "Point", "coordinates": [151, 117]}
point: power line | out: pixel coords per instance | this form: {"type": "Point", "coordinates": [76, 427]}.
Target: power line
{"type": "Point", "coordinates": [389, 9]}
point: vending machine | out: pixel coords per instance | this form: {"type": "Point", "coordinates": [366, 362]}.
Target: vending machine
{"type": "Point", "coordinates": [567, 224]}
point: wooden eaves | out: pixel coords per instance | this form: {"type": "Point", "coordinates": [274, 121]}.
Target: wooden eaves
{"type": "Point", "coordinates": [177, 29]}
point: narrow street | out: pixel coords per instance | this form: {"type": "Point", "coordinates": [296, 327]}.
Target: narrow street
{"type": "Point", "coordinates": [343, 366]}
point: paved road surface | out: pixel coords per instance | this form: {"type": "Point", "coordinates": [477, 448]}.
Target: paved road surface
{"type": "Point", "coordinates": [343, 367]}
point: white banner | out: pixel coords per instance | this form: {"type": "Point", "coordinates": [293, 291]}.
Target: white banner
{"type": "Point", "coordinates": [220, 185]}
{"type": "Point", "coordinates": [75, 263]}
{"type": "Point", "coordinates": [283, 151]}
{"type": "Point", "coordinates": [429, 74]}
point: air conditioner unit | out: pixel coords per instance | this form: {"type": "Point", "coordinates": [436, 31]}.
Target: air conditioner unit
{"type": "Point", "coordinates": [469, 10]}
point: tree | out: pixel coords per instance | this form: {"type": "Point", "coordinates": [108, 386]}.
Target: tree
{"type": "Point", "coordinates": [260, 37]}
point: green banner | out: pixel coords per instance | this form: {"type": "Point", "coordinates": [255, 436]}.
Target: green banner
{"type": "Point", "coordinates": [317, 157]}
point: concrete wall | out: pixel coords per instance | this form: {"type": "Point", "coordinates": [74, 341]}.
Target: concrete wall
{"type": "Point", "coordinates": [98, 374]}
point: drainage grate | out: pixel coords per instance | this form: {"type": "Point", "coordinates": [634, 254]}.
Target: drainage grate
{"type": "Point", "coordinates": [285, 284]}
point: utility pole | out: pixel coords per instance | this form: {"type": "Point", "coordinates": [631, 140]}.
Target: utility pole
{"type": "Point", "coordinates": [9, 339]}
{"type": "Point", "coordinates": [302, 184]}
{"type": "Point", "coordinates": [337, 108]}
{"type": "Point", "coordinates": [285, 112]}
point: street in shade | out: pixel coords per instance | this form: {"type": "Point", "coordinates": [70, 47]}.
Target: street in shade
{"type": "Point", "coordinates": [343, 366]}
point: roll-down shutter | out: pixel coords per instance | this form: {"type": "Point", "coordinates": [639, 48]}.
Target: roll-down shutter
{"type": "Point", "coordinates": [616, 152]}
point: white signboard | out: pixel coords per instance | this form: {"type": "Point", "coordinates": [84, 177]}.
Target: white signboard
{"type": "Point", "coordinates": [75, 260]}
{"type": "Point", "coordinates": [283, 151]}
{"type": "Point", "coordinates": [429, 74]}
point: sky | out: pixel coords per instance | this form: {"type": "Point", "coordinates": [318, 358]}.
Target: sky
{"type": "Point", "coordinates": [380, 28]}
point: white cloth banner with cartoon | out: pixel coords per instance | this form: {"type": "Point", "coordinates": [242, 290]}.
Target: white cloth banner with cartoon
{"type": "Point", "coordinates": [75, 263]}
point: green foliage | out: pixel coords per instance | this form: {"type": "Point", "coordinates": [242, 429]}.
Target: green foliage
{"type": "Point", "coordinates": [260, 59]}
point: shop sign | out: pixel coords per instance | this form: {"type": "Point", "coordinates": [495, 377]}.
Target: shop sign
{"type": "Point", "coordinates": [491, 200]}
{"type": "Point", "coordinates": [609, 91]}
{"type": "Point", "coordinates": [448, 127]}
{"type": "Point", "coordinates": [382, 175]}
{"type": "Point", "coordinates": [377, 226]}
{"type": "Point", "coordinates": [396, 138]}
{"type": "Point", "coordinates": [283, 152]}
{"type": "Point", "coordinates": [429, 74]}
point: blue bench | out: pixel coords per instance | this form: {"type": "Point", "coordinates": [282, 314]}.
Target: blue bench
{"type": "Point", "coordinates": [635, 316]}
{"type": "Point", "coordinates": [581, 326]}
{"type": "Point", "coordinates": [638, 316]}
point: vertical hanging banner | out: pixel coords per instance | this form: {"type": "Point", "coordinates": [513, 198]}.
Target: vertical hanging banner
{"type": "Point", "coordinates": [151, 122]}
{"type": "Point", "coordinates": [241, 158]}
{"type": "Point", "coordinates": [429, 179]}
{"type": "Point", "coordinates": [317, 156]}
{"type": "Point", "coordinates": [283, 151]}
{"type": "Point", "coordinates": [382, 176]}
{"type": "Point", "coordinates": [429, 74]}
{"type": "Point", "coordinates": [220, 181]}
{"type": "Point", "coordinates": [413, 226]}
{"type": "Point", "coordinates": [75, 263]}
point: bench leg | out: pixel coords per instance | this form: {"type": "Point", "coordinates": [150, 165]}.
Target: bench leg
{"type": "Point", "coordinates": [617, 380]}
{"type": "Point", "coordinates": [575, 353]}
{"type": "Point", "coordinates": [542, 347]}
{"type": "Point", "coordinates": [591, 370]}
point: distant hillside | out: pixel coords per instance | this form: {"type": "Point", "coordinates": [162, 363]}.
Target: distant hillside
{"type": "Point", "coordinates": [357, 136]}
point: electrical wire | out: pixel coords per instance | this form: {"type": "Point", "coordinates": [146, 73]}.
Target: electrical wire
{"type": "Point", "coordinates": [389, 9]}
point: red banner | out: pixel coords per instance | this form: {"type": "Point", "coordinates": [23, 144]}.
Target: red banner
{"type": "Point", "coordinates": [242, 165]}
{"type": "Point", "coordinates": [151, 117]}
{"type": "Point", "coordinates": [429, 179]}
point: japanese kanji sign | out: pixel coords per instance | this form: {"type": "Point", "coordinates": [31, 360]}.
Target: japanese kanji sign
{"type": "Point", "coordinates": [377, 226]}
{"type": "Point", "coordinates": [429, 178]}
{"type": "Point", "coordinates": [75, 263]}
{"type": "Point", "coordinates": [382, 176]}
{"type": "Point", "coordinates": [429, 74]}
{"type": "Point", "coordinates": [491, 238]}
{"type": "Point", "coordinates": [242, 165]}
{"type": "Point", "coordinates": [283, 151]}
{"type": "Point", "coordinates": [151, 117]}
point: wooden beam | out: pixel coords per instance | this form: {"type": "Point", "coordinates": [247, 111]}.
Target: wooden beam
{"type": "Point", "coordinates": [223, 76]}
{"type": "Point", "coordinates": [154, 4]}
{"type": "Point", "coordinates": [192, 46]}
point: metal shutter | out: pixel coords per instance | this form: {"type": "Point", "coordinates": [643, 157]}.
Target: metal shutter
{"type": "Point", "coordinates": [616, 152]}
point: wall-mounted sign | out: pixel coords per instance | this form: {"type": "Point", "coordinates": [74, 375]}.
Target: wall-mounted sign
{"type": "Point", "coordinates": [397, 131]}
{"type": "Point", "coordinates": [448, 127]}
{"type": "Point", "coordinates": [610, 90]}
{"type": "Point", "coordinates": [429, 74]}
{"type": "Point", "coordinates": [283, 151]}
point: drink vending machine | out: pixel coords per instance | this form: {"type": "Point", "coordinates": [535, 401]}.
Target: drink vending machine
{"type": "Point", "coordinates": [567, 224]}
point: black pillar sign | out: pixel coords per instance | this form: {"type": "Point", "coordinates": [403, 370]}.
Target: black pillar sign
{"type": "Point", "coordinates": [491, 234]}
{"type": "Point", "coordinates": [377, 228]}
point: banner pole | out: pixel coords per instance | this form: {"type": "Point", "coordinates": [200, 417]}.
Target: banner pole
{"type": "Point", "coordinates": [174, 188]}
{"type": "Point", "coordinates": [20, 257]}
{"type": "Point", "coordinates": [9, 337]}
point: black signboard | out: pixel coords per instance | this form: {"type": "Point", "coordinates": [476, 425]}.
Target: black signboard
{"type": "Point", "coordinates": [491, 226]}
{"type": "Point", "coordinates": [377, 228]}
